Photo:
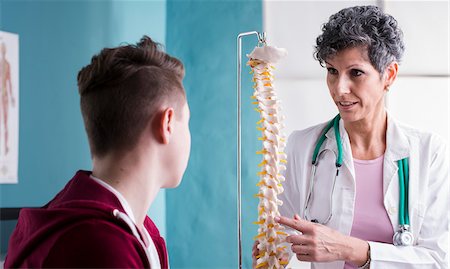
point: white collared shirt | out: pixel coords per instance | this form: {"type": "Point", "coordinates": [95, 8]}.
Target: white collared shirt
{"type": "Point", "coordinates": [151, 248]}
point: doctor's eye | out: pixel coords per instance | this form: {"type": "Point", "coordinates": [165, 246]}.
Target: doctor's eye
{"type": "Point", "coordinates": [332, 71]}
{"type": "Point", "coordinates": [356, 72]}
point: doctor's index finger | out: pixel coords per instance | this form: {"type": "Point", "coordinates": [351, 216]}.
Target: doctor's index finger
{"type": "Point", "coordinates": [297, 224]}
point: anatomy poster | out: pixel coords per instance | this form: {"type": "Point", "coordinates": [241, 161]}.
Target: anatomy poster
{"type": "Point", "coordinates": [9, 107]}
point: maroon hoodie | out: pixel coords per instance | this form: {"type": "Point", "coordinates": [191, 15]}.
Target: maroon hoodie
{"type": "Point", "coordinates": [78, 229]}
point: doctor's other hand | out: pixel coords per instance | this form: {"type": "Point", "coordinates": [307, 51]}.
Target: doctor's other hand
{"type": "Point", "coordinates": [255, 252]}
{"type": "Point", "coordinates": [319, 243]}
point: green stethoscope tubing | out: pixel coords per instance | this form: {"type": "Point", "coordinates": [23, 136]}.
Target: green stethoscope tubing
{"type": "Point", "coordinates": [335, 124]}
{"type": "Point", "coordinates": [403, 178]}
{"type": "Point", "coordinates": [403, 170]}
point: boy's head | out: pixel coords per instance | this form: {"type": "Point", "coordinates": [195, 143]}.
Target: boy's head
{"type": "Point", "coordinates": [124, 89]}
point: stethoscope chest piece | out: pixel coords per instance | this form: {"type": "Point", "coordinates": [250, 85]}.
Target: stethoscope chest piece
{"type": "Point", "coordinates": [403, 237]}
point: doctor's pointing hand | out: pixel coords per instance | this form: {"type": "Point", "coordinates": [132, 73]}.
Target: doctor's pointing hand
{"type": "Point", "coordinates": [318, 243]}
{"type": "Point", "coordinates": [368, 191]}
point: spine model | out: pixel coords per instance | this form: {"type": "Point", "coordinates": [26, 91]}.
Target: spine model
{"type": "Point", "coordinates": [270, 234]}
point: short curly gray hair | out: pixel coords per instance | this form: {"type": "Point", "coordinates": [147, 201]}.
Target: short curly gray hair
{"type": "Point", "coordinates": [365, 26]}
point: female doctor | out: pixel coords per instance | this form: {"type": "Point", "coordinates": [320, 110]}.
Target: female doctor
{"type": "Point", "coordinates": [365, 190]}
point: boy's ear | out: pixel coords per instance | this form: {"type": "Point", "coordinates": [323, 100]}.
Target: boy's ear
{"type": "Point", "coordinates": [391, 74]}
{"type": "Point", "coordinates": [166, 125]}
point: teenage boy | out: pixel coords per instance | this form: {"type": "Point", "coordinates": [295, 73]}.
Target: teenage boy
{"type": "Point", "coordinates": [136, 117]}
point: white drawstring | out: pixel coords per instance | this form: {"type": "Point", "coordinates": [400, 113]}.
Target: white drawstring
{"type": "Point", "coordinates": [121, 216]}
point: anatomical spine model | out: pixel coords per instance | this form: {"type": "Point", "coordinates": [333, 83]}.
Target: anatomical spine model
{"type": "Point", "coordinates": [270, 234]}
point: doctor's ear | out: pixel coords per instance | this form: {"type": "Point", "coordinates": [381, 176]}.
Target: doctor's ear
{"type": "Point", "coordinates": [166, 124]}
{"type": "Point", "coordinates": [390, 75]}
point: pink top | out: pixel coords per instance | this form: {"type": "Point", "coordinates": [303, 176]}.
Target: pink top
{"type": "Point", "coordinates": [370, 219]}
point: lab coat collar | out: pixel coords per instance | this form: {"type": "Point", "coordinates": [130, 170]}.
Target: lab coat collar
{"type": "Point", "coordinates": [397, 148]}
{"type": "Point", "coordinates": [397, 144]}
{"type": "Point", "coordinates": [330, 143]}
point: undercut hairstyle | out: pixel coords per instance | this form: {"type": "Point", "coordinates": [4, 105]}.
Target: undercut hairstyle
{"type": "Point", "coordinates": [122, 89]}
{"type": "Point", "coordinates": [362, 26]}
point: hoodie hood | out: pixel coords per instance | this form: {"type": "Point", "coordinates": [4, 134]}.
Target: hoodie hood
{"type": "Point", "coordinates": [82, 199]}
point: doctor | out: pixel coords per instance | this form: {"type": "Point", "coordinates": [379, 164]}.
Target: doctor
{"type": "Point", "coordinates": [377, 195]}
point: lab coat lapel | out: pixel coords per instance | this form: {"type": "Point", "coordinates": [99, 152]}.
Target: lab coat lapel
{"type": "Point", "coordinates": [345, 183]}
{"type": "Point", "coordinates": [330, 143]}
{"type": "Point", "coordinates": [397, 148]}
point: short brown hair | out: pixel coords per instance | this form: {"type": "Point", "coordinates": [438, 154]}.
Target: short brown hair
{"type": "Point", "coordinates": [122, 88]}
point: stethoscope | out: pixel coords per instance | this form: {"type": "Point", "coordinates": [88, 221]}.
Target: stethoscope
{"type": "Point", "coordinates": [403, 236]}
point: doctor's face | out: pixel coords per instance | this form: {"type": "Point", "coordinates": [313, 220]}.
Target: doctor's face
{"type": "Point", "coordinates": [356, 87]}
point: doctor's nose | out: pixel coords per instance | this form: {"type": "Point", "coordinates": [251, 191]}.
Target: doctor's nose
{"type": "Point", "coordinates": [340, 86]}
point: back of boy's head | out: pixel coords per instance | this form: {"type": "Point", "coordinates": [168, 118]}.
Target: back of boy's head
{"type": "Point", "coordinates": [122, 89]}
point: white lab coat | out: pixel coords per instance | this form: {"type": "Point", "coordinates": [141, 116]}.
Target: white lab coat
{"type": "Point", "coordinates": [428, 192]}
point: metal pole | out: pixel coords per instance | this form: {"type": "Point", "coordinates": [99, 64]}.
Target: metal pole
{"type": "Point", "coordinates": [261, 39]}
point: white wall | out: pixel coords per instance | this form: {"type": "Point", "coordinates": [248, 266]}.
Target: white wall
{"type": "Point", "coordinates": [295, 25]}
